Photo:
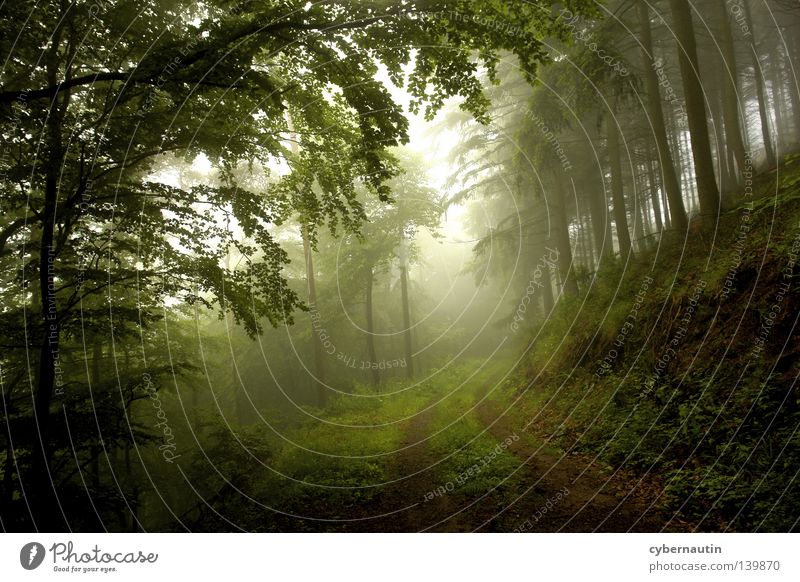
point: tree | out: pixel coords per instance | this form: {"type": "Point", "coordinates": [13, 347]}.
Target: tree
{"type": "Point", "coordinates": [617, 192]}
{"type": "Point", "coordinates": [708, 192]}
{"type": "Point", "coordinates": [94, 97]}
{"type": "Point", "coordinates": [669, 177]}
{"type": "Point", "coordinates": [760, 85]}
{"type": "Point", "coordinates": [387, 238]}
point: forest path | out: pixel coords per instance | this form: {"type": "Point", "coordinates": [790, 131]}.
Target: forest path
{"type": "Point", "coordinates": [414, 472]}
{"type": "Point", "coordinates": [541, 489]}
{"type": "Point", "coordinates": [597, 499]}
{"type": "Point", "coordinates": [465, 463]}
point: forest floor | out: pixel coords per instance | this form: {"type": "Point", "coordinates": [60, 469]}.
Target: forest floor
{"type": "Point", "coordinates": [461, 463]}
{"type": "Point", "coordinates": [547, 491]}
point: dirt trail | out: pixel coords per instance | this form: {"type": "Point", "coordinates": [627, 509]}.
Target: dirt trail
{"type": "Point", "coordinates": [597, 500]}
{"type": "Point", "coordinates": [531, 501]}
{"type": "Point", "coordinates": [414, 468]}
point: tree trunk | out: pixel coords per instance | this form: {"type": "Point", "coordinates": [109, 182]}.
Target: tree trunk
{"type": "Point", "coordinates": [406, 319]}
{"type": "Point", "coordinates": [707, 190]}
{"type": "Point", "coordinates": [46, 511]}
{"type": "Point", "coordinates": [548, 301]}
{"type": "Point", "coordinates": [730, 93]}
{"type": "Point", "coordinates": [316, 341]}
{"type": "Point", "coordinates": [761, 93]}
{"type": "Point", "coordinates": [654, 198]}
{"type": "Point", "coordinates": [561, 234]}
{"type": "Point", "coordinates": [792, 87]}
{"type": "Point", "coordinates": [669, 177]}
{"type": "Point", "coordinates": [617, 191]}
{"type": "Point", "coordinates": [371, 355]}
{"type": "Point", "coordinates": [716, 108]}
{"type": "Point", "coordinates": [778, 101]}
{"type": "Point", "coordinates": [96, 449]}
{"type": "Point", "coordinates": [601, 233]}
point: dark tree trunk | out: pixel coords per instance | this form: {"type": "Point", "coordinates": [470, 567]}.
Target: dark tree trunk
{"type": "Point", "coordinates": [778, 101]}
{"type": "Point", "coordinates": [654, 199]}
{"type": "Point", "coordinates": [761, 91]}
{"type": "Point", "coordinates": [730, 91]}
{"type": "Point", "coordinates": [406, 320]}
{"type": "Point", "coordinates": [715, 98]}
{"type": "Point", "coordinates": [47, 512]}
{"type": "Point", "coordinates": [617, 191]}
{"type": "Point", "coordinates": [371, 355]}
{"type": "Point", "coordinates": [316, 341]}
{"type": "Point", "coordinates": [669, 177]}
{"type": "Point", "coordinates": [548, 301]}
{"type": "Point", "coordinates": [707, 190]}
{"type": "Point", "coordinates": [561, 234]}
{"type": "Point", "coordinates": [97, 449]}
{"type": "Point", "coordinates": [792, 86]}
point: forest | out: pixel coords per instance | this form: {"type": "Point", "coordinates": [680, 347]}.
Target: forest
{"type": "Point", "coordinates": [400, 266]}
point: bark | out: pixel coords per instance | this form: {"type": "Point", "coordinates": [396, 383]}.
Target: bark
{"type": "Point", "coordinates": [761, 92]}
{"type": "Point", "coordinates": [669, 176]}
{"type": "Point", "coordinates": [39, 484]}
{"type": "Point", "coordinates": [654, 198]}
{"type": "Point", "coordinates": [778, 100]}
{"type": "Point", "coordinates": [316, 341]}
{"type": "Point", "coordinates": [734, 130]}
{"type": "Point", "coordinates": [792, 87]}
{"type": "Point", "coordinates": [715, 97]}
{"type": "Point", "coordinates": [561, 234]}
{"type": "Point", "coordinates": [371, 355]}
{"type": "Point", "coordinates": [97, 354]}
{"type": "Point", "coordinates": [548, 301]}
{"type": "Point", "coordinates": [406, 321]}
{"type": "Point", "coordinates": [643, 225]}
{"type": "Point", "coordinates": [617, 190]}
{"type": "Point", "coordinates": [707, 191]}
{"type": "Point", "coordinates": [601, 231]}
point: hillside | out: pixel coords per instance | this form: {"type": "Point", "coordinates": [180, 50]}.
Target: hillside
{"type": "Point", "coordinates": [682, 367]}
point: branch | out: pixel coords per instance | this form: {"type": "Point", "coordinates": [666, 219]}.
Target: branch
{"type": "Point", "coordinates": [252, 29]}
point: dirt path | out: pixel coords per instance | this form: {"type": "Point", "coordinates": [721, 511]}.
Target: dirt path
{"type": "Point", "coordinates": [596, 500]}
{"type": "Point", "coordinates": [547, 492]}
{"type": "Point", "coordinates": [414, 470]}
{"type": "Point", "coordinates": [537, 501]}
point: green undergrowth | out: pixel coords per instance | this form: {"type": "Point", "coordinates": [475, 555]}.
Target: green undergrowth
{"type": "Point", "coordinates": [473, 460]}
{"type": "Point", "coordinates": [335, 464]}
{"type": "Point", "coordinates": [681, 364]}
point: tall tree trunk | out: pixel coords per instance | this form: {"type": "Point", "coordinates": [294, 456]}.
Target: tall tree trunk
{"type": "Point", "coordinates": [47, 511]}
{"type": "Point", "coordinates": [716, 108]}
{"type": "Point", "coordinates": [654, 198]}
{"type": "Point", "coordinates": [316, 341]}
{"type": "Point", "coordinates": [778, 102]}
{"type": "Point", "coordinates": [707, 190]}
{"type": "Point", "coordinates": [587, 253]}
{"type": "Point", "coordinates": [617, 191]}
{"type": "Point", "coordinates": [548, 301]}
{"type": "Point", "coordinates": [371, 355]}
{"type": "Point", "coordinates": [561, 234]}
{"type": "Point", "coordinates": [406, 317]}
{"type": "Point", "coordinates": [761, 92]}
{"type": "Point", "coordinates": [669, 177]}
{"type": "Point", "coordinates": [96, 449]}
{"type": "Point", "coordinates": [734, 130]}
{"type": "Point", "coordinates": [643, 224]}
{"type": "Point", "coordinates": [793, 82]}
{"type": "Point", "coordinates": [601, 231]}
